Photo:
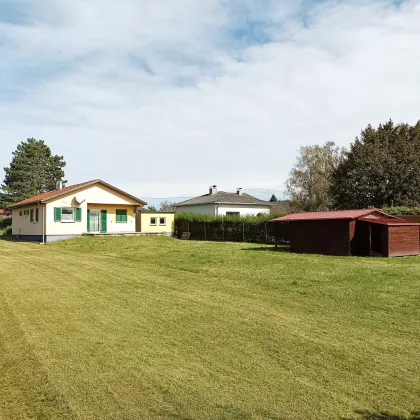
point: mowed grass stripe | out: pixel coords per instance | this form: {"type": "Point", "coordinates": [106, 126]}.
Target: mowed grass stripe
{"type": "Point", "coordinates": [158, 328]}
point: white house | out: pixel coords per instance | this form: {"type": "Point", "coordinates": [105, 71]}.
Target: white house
{"type": "Point", "coordinates": [221, 203]}
{"type": "Point", "coordinates": [90, 207]}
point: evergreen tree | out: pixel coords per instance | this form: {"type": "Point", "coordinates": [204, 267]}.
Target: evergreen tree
{"type": "Point", "coordinates": [273, 198]}
{"type": "Point", "coordinates": [33, 170]}
{"type": "Point", "coordinates": [381, 169]}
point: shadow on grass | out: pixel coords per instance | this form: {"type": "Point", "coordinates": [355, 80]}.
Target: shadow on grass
{"type": "Point", "coordinates": [366, 415]}
{"type": "Point", "coordinates": [272, 248]}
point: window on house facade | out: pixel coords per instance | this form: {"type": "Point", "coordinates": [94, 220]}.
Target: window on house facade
{"type": "Point", "coordinates": [162, 221]}
{"type": "Point", "coordinates": [153, 221]}
{"type": "Point", "coordinates": [121, 216]}
{"type": "Point", "coordinates": [34, 215]}
{"type": "Point", "coordinates": [20, 213]}
{"type": "Point", "coordinates": [26, 213]}
{"type": "Point", "coordinates": [67, 214]}
{"type": "Point", "coordinates": [233, 213]}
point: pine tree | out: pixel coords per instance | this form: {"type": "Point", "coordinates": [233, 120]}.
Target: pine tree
{"type": "Point", "coordinates": [33, 170]}
{"type": "Point", "coordinates": [273, 198]}
{"type": "Point", "coordinates": [381, 169]}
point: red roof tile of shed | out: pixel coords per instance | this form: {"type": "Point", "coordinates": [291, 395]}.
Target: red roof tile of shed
{"type": "Point", "coordinates": [327, 215]}
{"type": "Point", "coordinates": [389, 222]}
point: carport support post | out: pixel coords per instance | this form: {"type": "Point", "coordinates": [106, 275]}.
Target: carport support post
{"type": "Point", "coordinates": [275, 234]}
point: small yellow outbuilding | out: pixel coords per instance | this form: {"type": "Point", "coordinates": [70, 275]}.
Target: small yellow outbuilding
{"type": "Point", "coordinates": [155, 222]}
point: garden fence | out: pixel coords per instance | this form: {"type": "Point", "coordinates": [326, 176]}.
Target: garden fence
{"type": "Point", "coordinates": [233, 231]}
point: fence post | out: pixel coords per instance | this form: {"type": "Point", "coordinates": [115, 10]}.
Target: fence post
{"type": "Point", "coordinates": [243, 232]}
{"type": "Point", "coordinates": [205, 234]}
{"type": "Point", "coordinates": [266, 236]}
{"type": "Point", "coordinates": [223, 231]}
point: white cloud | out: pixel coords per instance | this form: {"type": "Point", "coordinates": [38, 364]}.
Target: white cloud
{"type": "Point", "coordinates": [163, 99]}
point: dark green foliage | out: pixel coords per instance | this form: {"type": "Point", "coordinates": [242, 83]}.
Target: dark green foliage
{"type": "Point", "coordinates": [33, 170]}
{"type": "Point", "coordinates": [273, 198]}
{"type": "Point", "coordinates": [402, 211]}
{"type": "Point", "coordinates": [151, 208]}
{"type": "Point", "coordinates": [380, 170]}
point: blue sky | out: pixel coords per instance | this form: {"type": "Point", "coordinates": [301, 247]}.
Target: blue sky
{"type": "Point", "coordinates": [165, 98]}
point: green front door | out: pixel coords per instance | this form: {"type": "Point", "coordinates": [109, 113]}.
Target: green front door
{"type": "Point", "coordinates": [103, 221]}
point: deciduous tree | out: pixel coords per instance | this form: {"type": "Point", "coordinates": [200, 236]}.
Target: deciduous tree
{"type": "Point", "coordinates": [309, 181]}
{"type": "Point", "coordinates": [167, 206]}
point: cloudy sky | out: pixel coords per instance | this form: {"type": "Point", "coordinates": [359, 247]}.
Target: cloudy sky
{"type": "Point", "coordinates": [163, 98]}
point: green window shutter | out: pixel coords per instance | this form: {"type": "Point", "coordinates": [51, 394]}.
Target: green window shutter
{"type": "Point", "coordinates": [57, 214]}
{"type": "Point", "coordinates": [121, 216]}
{"type": "Point", "coordinates": [31, 215]}
{"type": "Point", "coordinates": [37, 215]}
{"type": "Point", "coordinates": [88, 221]}
{"type": "Point", "coordinates": [78, 214]}
{"type": "Point", "coordinates": [103, 221]}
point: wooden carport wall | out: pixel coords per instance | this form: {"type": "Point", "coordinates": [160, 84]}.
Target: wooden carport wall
{"type": "Point", "coordinates": [306, 229]}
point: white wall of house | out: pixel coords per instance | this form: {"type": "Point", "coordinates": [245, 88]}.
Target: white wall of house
{"type": "Point", "coordinates": [199, 208]}
{"type": "Point", "coordinates": [98, 197]}
{"type": "Point", "coordinates": [243, 209]}
{"type": "Point", "coordinates": [21, 223]}
{"type": "Point", "coordinates": [222, 209]}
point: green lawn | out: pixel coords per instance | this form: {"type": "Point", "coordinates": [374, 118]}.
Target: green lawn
{"type": "Point", "coordinates": [156, 328]}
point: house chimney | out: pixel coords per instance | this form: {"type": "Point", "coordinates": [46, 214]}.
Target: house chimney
{"type": "Point", "coordinates": [239, 191]}
{"type": "Point", "coordinates": [213, 190]}
{"type": "Point", "coordinates": [59, 185]}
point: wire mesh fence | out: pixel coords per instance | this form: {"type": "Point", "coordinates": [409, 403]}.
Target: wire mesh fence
{"type": "Point", "coordinates": [233, 231]}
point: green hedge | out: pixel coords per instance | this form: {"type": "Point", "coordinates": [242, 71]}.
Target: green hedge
{"type": "Point", "coordinates": [255, 229]}
{"type": "Point", "coordinates": [402, 211]}
{"type": "Point", "coordinates": [195, 217]}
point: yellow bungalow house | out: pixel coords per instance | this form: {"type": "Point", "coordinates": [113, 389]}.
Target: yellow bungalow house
{"type": "Point", "coordinates": [90, 207]}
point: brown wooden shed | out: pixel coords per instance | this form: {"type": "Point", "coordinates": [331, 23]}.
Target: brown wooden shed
{"type": "Point", "coordinates": [352, 232]}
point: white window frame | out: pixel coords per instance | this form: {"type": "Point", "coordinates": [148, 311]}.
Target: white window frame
{"type": "Point", "coordinates": [153, 224]}
{"type": "Point", "coordinates": [73, 212]}
{"type": "Point", "coordinates": [164, 223]}
{"type": "Point", "coordinates": [233, 213]}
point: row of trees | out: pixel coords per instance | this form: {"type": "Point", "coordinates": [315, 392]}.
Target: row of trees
{"type": "Point", "coordinates": [381, 169]}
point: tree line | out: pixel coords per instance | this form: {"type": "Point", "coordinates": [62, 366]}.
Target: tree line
{"type": "Point", "coordinates": [380, 169]}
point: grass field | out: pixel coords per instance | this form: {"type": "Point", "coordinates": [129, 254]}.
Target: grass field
{"type": "Point", "coordinates": [155, 328]}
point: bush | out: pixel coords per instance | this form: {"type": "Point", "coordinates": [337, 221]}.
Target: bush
{"type": "Point", "coordinates": [7, 231]}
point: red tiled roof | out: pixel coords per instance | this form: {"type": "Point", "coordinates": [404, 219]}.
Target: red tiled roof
{"type": "Point", "coordinates": [56, 193]}
{"type": "Point", "coordinates": [389, 222]}
{"type": "Point", "coordinates": [50, 194]}
{"type": "Point", "coordinates": [326, 215]}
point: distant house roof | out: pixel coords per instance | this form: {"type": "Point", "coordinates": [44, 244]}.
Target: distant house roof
{"type": "Point", "coordinates": [222, 197]}
{"type": "Point", "coordinates": [41, 198]}
{"type": "Point", "coordinates": [330, 215]}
